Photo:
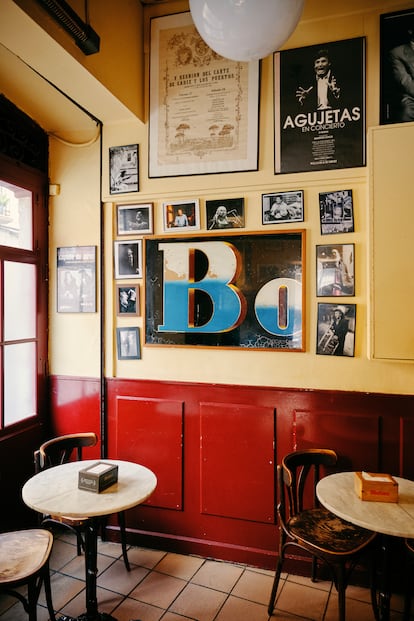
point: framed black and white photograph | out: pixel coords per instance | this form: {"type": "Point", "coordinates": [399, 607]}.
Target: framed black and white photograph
{"type": "Point", "coordinates": [127, 300]}
{"type": "Point", "coordinates": [336, 329]}
{"type": "Point", "coordinates": [135, 218]}
{"type": "Point", "coordinates": [336, 212]}
{"type": "Point", "coordinates": [335, 270]}
{"type": "Point", "coordinates": [76, 279]}
{"type": "Point", "coordinates": [226, 213]}
{"type": "Point", "coordinates": [319, 107]}
{"type": "Point", "coordinates": [128, 343]}
{"type": "Point", "coordinates": [181, 216]}
{"type": "Point", "coordinates": [123, 169]}
{"type": "Point", "coordinates": [281, 207]}
{"type": "Point", "coordinates": [203, 108]}
{"type": "Point", "coordinates": [128, 258]}
{"type": "Point", "coordinates": [397, 67]}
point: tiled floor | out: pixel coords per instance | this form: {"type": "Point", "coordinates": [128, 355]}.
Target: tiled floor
{"type": "Point", "coordinates": [173, 587]}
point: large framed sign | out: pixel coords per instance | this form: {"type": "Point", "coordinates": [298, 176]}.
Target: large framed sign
{"type": "Point", "coordinates": [319, 99]}
{"type": "Point", "coordinates": [204, 109]}
{"type": "Point", "coordinates": [231, 291]}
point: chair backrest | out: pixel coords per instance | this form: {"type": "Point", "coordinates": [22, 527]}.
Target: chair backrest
{"type": "Point", "coordinates": [60, 450]}
{"type": "Point", "coordinates": [298, 475]}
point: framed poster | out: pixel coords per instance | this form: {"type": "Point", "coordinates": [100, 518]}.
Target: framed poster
{"type": "Point", "coordinates": [204, 109]}
{"type": "Point", "coordinates": [135, 218]}
{"type": "Point", "coordinates": [335, 270]}
{"type": "Point", "coordinates": [128, 343]}
{"type": "Point", "coordinates": [127, 300]}
{"type": "Point", "coordinates": [128, 258]}
{"type": "Point", "coordinates": [336, 210]}
{"type": "Point", "coordinates": [181, 216]}
{"type": "Point", "coordinates": [319, 103]}
{"type": "Point", "coordinates": [397, 67]}
{"type": "Point", "coordinates": [336, 329]}
{"type": "Point", "coordinates": [76, 279]}
{"type": "Point", "coordinates": [231, 290]}
{"type": "Point", "coordinates": [282, 207]}
{"type": "Point", "coordinates": [123, 169]}
{"type": "Point", "coordinates": [225, 213]}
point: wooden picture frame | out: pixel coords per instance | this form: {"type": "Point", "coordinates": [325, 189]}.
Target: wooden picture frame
{"type": "Point", "coordinates": [181, 216]}
{"type": "Point", "coordinates": [128, 300]}
{"type": "Point", "coordinates": [128, 343]}
{"type": "Point", "coordinates": [282, 207]}
{"type": "Point", "coordinates": [204, 109]}
{"type": "Point", "coordinates": [232, 290]}
{"type": "Point", "coordinates": [124, 169]}
{"type": "Point", "coordinates": [135, 218]}
{"type": "Point", "coordinates": [128, 258]}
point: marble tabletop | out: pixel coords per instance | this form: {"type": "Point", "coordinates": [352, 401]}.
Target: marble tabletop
{"type": "Point", "coordinates": [337, 493]}
{"type": "Point", "coordinates": [55, 490]}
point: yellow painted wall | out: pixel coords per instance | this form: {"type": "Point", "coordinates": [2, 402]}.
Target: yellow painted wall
{"type": "Point", "coordinates": [75, 220]}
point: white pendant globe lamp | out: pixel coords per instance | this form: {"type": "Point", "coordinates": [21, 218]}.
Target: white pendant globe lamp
{"type": "Point", "coordinates": [245, 30]}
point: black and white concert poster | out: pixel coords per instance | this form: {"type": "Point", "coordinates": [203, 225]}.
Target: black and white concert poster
{"type": "Point", "coordinates": [319, 100]}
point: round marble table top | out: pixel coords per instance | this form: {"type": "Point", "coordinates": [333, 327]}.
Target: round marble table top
{"type": "Point", "coordinates": [337, 493]}
{"type": "Point", "coordinates": [55, 490]}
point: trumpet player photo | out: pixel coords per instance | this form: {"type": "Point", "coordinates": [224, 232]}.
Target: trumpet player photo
{"type": "Point", "coordinates": [336, 330]}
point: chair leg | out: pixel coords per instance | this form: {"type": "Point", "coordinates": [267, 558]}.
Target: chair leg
{"type": "Point", "coordinates": [48, 593]}
{"type": "Point", "coordinates": [341, 587]}
{"type": "Point", "coordinates": [121, 522]}
{"type": "Point", "coordinates": [278, 571]}
{"type": "Point", "coordinates": [314, 569]}
{"type": "Point", "coordinates": [32, 596]}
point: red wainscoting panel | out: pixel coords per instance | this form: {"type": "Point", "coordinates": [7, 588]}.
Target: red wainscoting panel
{"type": "Point", "coordinates": [150, 432]}
{"type": "Point", "coordinates": [237, 461]}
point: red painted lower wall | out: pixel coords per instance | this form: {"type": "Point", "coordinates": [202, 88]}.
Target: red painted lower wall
{"type": "Point", "coordinates": [214, 450]}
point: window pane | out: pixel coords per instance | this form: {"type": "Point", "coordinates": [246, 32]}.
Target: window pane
{"type": "Point", "coordinates": [15, 216]}
{"type": "Point", "coordinates": [19, 382]}
{"type": "Point", "coordinates": [19, 301]}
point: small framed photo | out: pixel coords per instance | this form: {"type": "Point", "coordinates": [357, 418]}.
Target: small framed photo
{"type": "Point", "coordinates": [76, 279]}
{"type": "Point", "coordinates": [282, 207]}
{"type": "Point", "coordinates": [227, 213]}
{"type": "Point", "coordinates": [396, 66]}
{"type": "Point", "coordinates": [336, 212]}
{"type": "Point", "coordinates": [135, 218]}
{"type": "Point", "coordinates": [128, 343]}
{"type": "Point", "coordinates": [127, 300]}
{"type": "Point", "coordinates": [336, 329]}
{"type": "Point", "coordinates": [123, 169]}
{"type": "Point", "coordinates": [181, 216]}
{"type": "Point", "coordinates": [128, 258]}
{"type": "Point", "coordinates": [335, 270]}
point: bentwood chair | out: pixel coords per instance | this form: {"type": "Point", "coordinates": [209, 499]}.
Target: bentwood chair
{"type": "Point", "coordinates": [61, 450]}
{"type": "Point", "coordinates": [304, 524]}
{"type": "Point", "coordinates": [24, 561]}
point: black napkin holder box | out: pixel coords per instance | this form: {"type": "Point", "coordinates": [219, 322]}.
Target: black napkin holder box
{"type": "Point", "coordinates": [98, 476]}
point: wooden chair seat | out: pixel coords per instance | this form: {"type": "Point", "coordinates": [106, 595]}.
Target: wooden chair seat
{"type": "Point", "coordinates": [24, 560]}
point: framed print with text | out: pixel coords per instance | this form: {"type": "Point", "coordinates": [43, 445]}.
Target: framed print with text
{"type": "Point", "coordinates": [230, 290]}
{"type": "Point", "coordinates": [397, 67]}
{"type": "Point", "coordinates": [128, 258]}
{"type": "Point", "coordinates": [335, 270]}
{"type": "Point", "coordinates": [319, 102]}
{"type": "Point", "coordinates": [336, 329]}
{"type": "Point", "coordinates": [132, 219]}
{"type": "Point", "coordinates": [76, 279]}
{"type": "Point", "coordinates": [204, 109]}
{"type": "Point", "coordinates": [123, 169]}
{"type": "Point", "coordinates": [128, 343]}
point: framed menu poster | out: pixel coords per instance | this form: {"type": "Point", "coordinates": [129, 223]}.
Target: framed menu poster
{"type": "Point", "coordinates": [204, 109]}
